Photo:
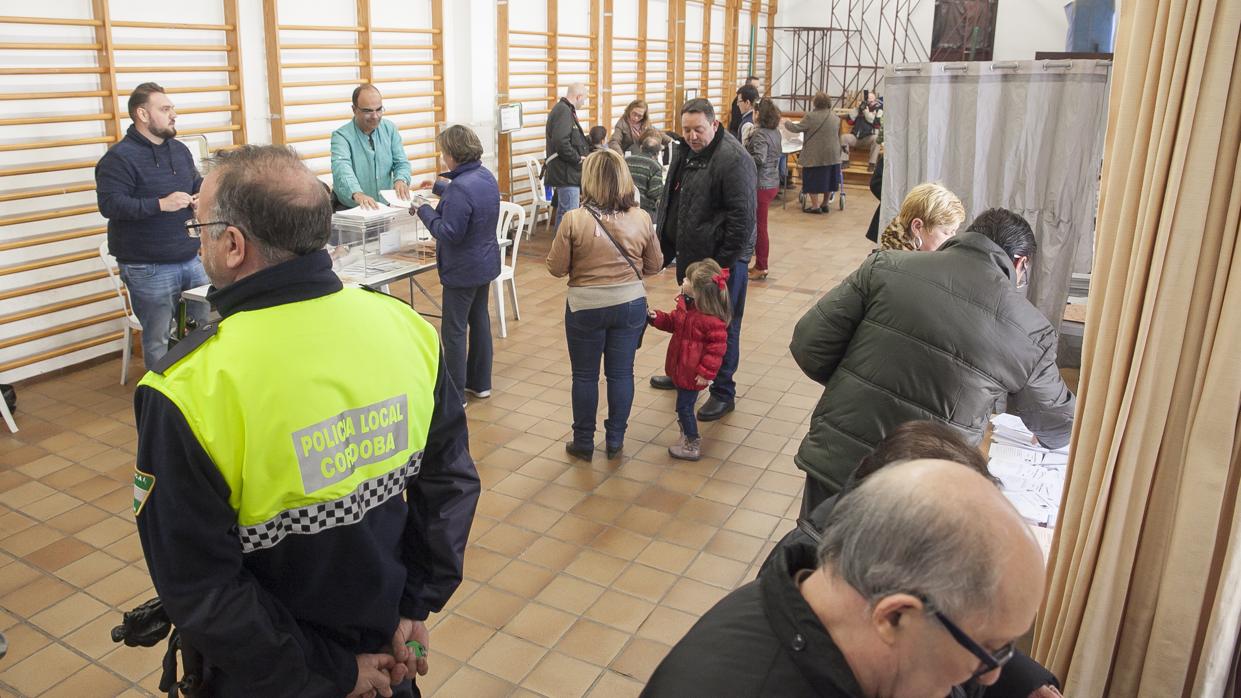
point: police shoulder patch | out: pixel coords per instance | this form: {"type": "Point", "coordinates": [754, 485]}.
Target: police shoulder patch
{"type": "Point", "coordinates": [143, 484]}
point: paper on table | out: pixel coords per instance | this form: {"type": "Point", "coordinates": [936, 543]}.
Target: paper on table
{"type": "Point", "coordinates": [393, 200]}
{"type": "Point", "coordinates": [368, 213]}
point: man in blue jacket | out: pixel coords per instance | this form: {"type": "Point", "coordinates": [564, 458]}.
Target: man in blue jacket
{"type": "Point", "coordinates": [146, 185]}
{"type": "Point", "coordinates": [467, 253]}
{"type": "Point", "coordinates": [368, 154]}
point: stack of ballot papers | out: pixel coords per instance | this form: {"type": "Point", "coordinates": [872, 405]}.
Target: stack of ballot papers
{"type": "Point", "coordinates": [1032, 477]}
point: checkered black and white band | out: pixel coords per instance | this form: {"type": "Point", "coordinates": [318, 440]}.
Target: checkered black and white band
{"type": "Point", "coordinates": [321, 516]}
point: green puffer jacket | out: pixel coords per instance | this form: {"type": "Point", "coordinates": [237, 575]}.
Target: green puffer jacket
{"type": "Point", "coordinates": [939, 335]}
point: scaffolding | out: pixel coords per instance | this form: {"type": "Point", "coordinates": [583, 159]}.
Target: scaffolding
{"type": "Point", "coordinates": [847, 55]}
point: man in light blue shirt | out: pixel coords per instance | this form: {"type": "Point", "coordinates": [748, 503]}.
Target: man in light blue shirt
{"type": "Point", "coordinates": [368, 155]}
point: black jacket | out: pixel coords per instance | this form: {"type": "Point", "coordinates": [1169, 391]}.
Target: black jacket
{"type": "Point", "coordinates": [569, 145]}
{"type": "Point", "coordinates": [1019, 678]}
{"type": "Point", "coordinates": [708, 206]}
{"type": "Point", "coordinates": [761, 640]}
{"type": "Point", "coordinates": [941, 335]}
{"type": "Point", "coordinates": [288, 620]}
{"type": "Point", "coordinates": [130, 179]}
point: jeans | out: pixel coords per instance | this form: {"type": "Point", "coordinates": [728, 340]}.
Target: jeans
{"type": "Point", "coordinates": [466, 308]}
{"type": "Point", "coordinates": [154, 290]}
{"type": "Point", "coordinates": [567, 199]}
{"type": "Point", "coordinates": [724, 388]}
{"type": "Point", "coordinates": [685, 412]}
{"type": "Point", "coordinates": [611, 333]}
{"type": "Point", "coordinates": [762, 244]}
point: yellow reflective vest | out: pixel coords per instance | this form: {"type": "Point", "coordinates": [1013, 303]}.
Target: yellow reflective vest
{"type": "Point", "coordinates": [310, 427]}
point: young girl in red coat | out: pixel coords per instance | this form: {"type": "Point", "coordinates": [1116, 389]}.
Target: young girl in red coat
{"type": "Point", "coordinates": [699, 328]}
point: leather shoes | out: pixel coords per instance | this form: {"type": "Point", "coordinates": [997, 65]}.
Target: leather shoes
{"type": "Point", "coordinates": [583, 452]}
{"type": "Point", "coordinates": [614, 451]}
{"type": "Point", "coordinates": [714, 408]}
{"type": "Point", "coordinates": [662, 383]}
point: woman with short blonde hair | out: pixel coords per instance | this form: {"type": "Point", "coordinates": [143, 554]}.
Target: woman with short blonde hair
{"type": "Point", "coordinates": [606, 248]}
{"type": "Point", "coordinates": [929, 216]}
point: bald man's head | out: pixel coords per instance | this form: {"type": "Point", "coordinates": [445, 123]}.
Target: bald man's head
{"type": "Point", "coordinates": [928, 540]}
{"type": "Point", "coordinates": [576, 94]}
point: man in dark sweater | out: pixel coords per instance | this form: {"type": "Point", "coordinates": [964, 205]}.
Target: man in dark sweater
{"type": "Point", "coordinates": [146, 186]}
{"type": "Point", "coordinates": [708, 210]}
{"type": "Point", "coordinates": [647, 173]}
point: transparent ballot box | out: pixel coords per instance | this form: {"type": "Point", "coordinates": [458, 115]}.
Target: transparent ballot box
{"type": "Point", "coordinates": [370, 243]}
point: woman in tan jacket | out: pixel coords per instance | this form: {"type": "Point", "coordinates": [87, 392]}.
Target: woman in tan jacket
{"type": "Point", "coordinates": [606, 248]}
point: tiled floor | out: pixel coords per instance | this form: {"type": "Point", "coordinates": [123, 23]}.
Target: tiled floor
{"type": "Point", "coordinates": [578, 577]}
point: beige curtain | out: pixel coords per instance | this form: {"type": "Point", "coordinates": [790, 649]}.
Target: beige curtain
{"type": "Point", "coordinates": [1144, 593]}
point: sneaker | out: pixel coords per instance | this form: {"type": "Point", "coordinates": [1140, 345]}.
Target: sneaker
{"type": "Point", "coordinates": [480, 394]}
{"type": "Point", "coordinates": [686, 448]}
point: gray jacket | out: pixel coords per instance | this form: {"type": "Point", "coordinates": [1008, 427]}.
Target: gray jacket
{"type": "Point", "coordinates": [939, 335]}
{"type": "Point", "coordinates": [567, 142]}
{"type": "Point", "coordinates": [822, 139]}
{"type": "Point", "coordinates": [765, 147]}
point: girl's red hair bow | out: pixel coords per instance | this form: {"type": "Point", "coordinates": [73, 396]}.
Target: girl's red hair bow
{"type": "Point", "coordinates": [721, 279]}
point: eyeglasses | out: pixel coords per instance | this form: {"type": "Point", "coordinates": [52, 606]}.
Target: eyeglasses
{"type": "Point", "coordinates": [370, 112]}
{"type": "Point", "coordinates": [192, 227]}
{"type": "Point", "coordinates": [990, 662]}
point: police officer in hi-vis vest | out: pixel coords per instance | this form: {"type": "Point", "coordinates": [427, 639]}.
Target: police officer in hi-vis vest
{"type": "Point", "coordinates": [304, 488]}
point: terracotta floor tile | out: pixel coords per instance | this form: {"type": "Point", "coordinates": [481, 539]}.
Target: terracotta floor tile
{"type": "Point", "coordinates": [690, 534]}
{"type": "Point", "coordinates": [614, 685]}
{"type": "Point", "coordinates": [639, 659]}
{"type": "Point", "coordinates": [570, 594]}
{"type": "Point", "coordinates": [69, 614]}
{"type": "Point", "coordinates": [643, 521]}
{"type": "Point", "coordinates": [36, 596]}
{"type": "Point", "coordinates": [559, 497]}
{"type": "Point", "coordinates": [621, 611]}
{"type": "Point", "coordinates": [561, 676]}
{"type": "Point", "coordinates": [522, 578]}
{"type": "Point", "coordinates": [491, 607]}
{"type": "Point", "coordinates": [716, 570]}
{"type": "Point", "coordinates": [575, 529]}
{"type": "Point", "coordinates": [474, 683]}
{"type": "Point", "coordinates": [42, 467]}
{"type": "Point", "coordinates": [94, 638]}
{"type": "Point", "coordinates": [14, 522]}
{"type": "Point", "coordinates": [692, 596]}
{"type": "Point", "coordinates": [81, 516]}
{"type": "Point", "coordinates": [600, 509]}
{"type": "Point", "coordinates": [507, 540]}
{"type": "Point", "coordinates": [56, 555]}
{"type": "Point", "coordinates": [93, 681]}
{"type": "Point", "coordinates": [592, 642]}
{"type": "Point", "coordinates": [107, 531]}
{"type": "Point", "coordinates": [752, 523]}
{"type": "Point", "coordinates": [542, 625]}
{"type": "Point", "coordinates": [41, 670]}
{"type": "Point", "coordinates": [549, 553]}
{"type": "Point", "coordinates": [620, 543]}
{"type": "Point", "coordinates": [458, 637]}
{"type": "Point", "coordinates": [25, 494]}
{"type": "Point", "coordinates": [120, 586]}
{"type": "Point", "coordinates": [481, 564]}
{"type": "Point", "coordinates": [507, 657]}
{"type": "Point", "coordinates": [666, 625]}
{"type": "Point", "coordinates": [735, 546]}
{"type": "Point", "coordinates": [666, 556]}
{"type": "Point", "coordinates": [645, 582]}
{"type": "Point", "coordinates": [23, 641]}
{"type": "Point", "coordinates": [596, 567]}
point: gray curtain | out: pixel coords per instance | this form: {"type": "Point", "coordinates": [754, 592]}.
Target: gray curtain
{"type": "Point", "coordinates": [1021, 135]}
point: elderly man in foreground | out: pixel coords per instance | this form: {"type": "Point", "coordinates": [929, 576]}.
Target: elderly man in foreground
{"type": "Point", "coordinates": [925, 578]}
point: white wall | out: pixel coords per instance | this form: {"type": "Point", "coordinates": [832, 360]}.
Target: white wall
{"type": "Point", "coordinates": [1023, 27]}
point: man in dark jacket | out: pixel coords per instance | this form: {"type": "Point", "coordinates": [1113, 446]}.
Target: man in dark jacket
{"type": "Point", "coordinates": [566, 146]}
{"type": "Point", "coordinates": [303, 487]}
{"type": "Point", "coordinates": [735, 113]}
{"type": "Point", "coordinates": [709, 210]}
{"type": "Point", "coordinates": [943, 336]}
{"type": "Point", "coordinates": [146, 185]}
{"type": "Point", "coordinates": [467, 254]}
{"type": "Point", "coordinates": [1022, 677]}
{"type": "Point", "coordinates": [647, 173]}
{"type": "Point", "coordinates": [861, 619]}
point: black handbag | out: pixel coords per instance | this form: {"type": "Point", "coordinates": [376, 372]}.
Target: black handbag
{"type": "Point", "coordinates": [625, 257]}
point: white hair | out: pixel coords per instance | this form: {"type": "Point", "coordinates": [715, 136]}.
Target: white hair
{"type": "Point", "coordinates": [884, 538]}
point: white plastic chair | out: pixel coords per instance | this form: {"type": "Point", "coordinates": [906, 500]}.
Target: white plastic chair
{"type": "Point", "coordinates": [131, 321]}
{"type": "Point", "coordinates": [539, 194]}
{"type": "Point", "coordinates": [510, 213]}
